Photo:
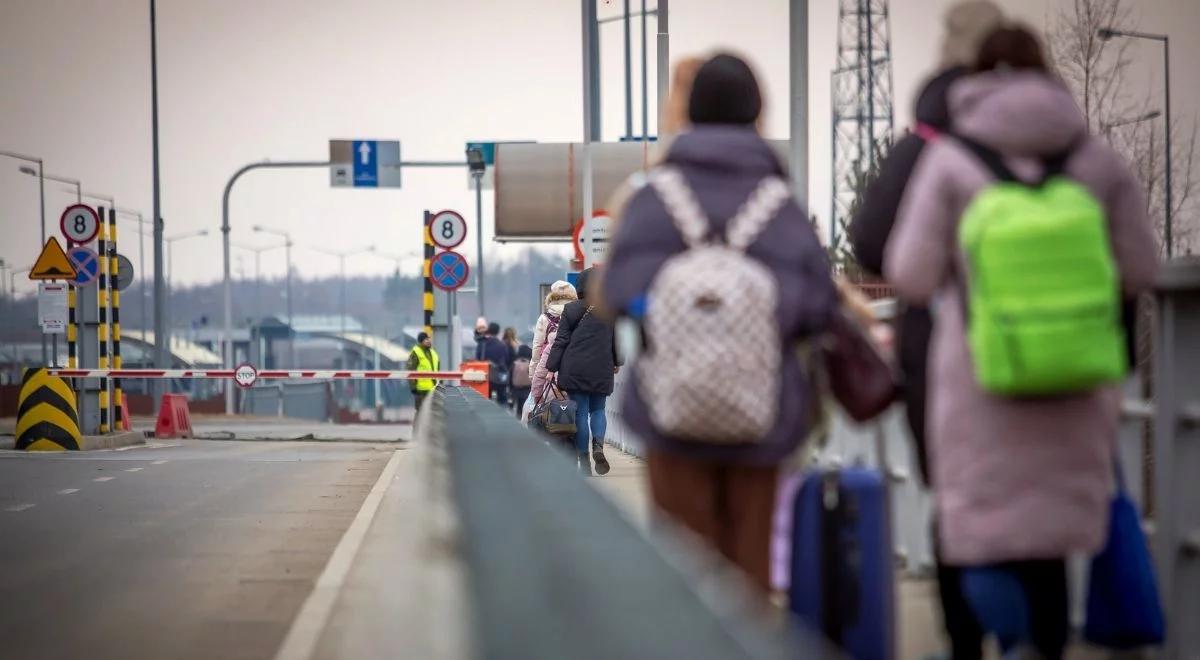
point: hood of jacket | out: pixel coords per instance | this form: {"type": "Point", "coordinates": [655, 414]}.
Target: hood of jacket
{"type": "Point", "coordinates": [1020, 113]}
{"type": "Point", "coordinates": [721, 148]}
{"type": "Point", "coordinates": [561, 293]}
{"type": "Point", "coordinates": [555, 308]}
{"type": "Point", "coordinates": [933, 104]}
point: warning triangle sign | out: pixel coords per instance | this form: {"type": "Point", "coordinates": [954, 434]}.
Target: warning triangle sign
{"type": "Point", "coordinates": [52, 263]}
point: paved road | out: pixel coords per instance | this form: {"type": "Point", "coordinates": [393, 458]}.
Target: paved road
{"type": "Point", "coordinates": [197, 549]}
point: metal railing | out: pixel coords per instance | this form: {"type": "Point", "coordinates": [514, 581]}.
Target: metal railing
{"type": "Point", "coordinates": [557, 571]}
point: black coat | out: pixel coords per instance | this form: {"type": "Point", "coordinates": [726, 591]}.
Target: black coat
{"type": "Point", "coordinates": [870, 229]}
{"type": "Point", "coordinates": [584, 354]}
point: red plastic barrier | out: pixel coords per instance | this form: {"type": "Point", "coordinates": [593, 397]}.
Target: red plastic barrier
{"type": "Point", "coordinates": [173, 418]}
{"type": "Point", "coordinates": [484, 366]}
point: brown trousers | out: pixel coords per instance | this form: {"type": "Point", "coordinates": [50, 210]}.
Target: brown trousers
{"type": "Point", "coordinates": [729, 506]}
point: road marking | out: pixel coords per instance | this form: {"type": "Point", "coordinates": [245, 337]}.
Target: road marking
{"type": "Point", "coordinates": [134, 469]}
{"type": "Point", "coordinates": [157, 462]}
{"type": "Point", "coordinates": [20, 507]}
{"type": "Point", "coordinates": [301, 640]}
{"type": "Point", "coordinates": [103, 479]}
{"type": "Point", "coordinates": [68, 491]}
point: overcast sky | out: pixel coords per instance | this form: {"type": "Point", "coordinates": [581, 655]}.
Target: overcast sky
{"type": "Point", "coordinates": [245, 80]}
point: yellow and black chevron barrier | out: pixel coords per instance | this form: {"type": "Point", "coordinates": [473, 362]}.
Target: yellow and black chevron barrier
{"type": "Point", "coordinates": [47, 419]}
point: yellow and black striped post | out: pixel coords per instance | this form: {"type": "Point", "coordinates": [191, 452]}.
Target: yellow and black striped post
{"type": "Point", "coordinates": [428, 297]}
{"type": "Point", "coordinates": [102, 332]}
{"type": "Point", "coordinates": [72, 330]}
{"type": "Point", "coordinates": [118, 401]}
{"type": "Point", "coordinates": [47, 419]}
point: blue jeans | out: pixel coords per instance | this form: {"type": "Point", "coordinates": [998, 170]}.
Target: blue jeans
{"type": "Point", "coordinates": [589, 410]}
{"type": "Point", "coordinates": [1022, 603]}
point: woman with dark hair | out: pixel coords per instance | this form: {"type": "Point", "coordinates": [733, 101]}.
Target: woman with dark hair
{"type": "Point", "coordinates": [1022, 480]}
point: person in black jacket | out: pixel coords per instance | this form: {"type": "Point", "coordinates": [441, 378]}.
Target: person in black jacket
{"type": "Point", "coordinates": [966, 25]}
{"type": "Point", "coordinates": [584, 359]}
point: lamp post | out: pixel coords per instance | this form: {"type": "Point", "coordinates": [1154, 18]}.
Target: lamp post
{"type": "Point", "coordinates": [12, 301]}
{"type": "Point", "coordinates": [1109, 33]}
{"type": "Point", "coordinates": [342, 277]}
{"type": "Point", "coordinates": [287, 247]}
{"type": "Point", "coordinates": [170, 241]}
{"type": "Point", "coordinates": [60, 179]}
{"type": "Point", "coordinates": [477, 166]}
{"type": "Point", "coordinates": [141, 257]}
{"type": "Point", "coordinates": [42, 206]}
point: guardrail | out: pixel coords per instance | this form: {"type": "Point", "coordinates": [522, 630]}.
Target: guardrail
{"type": "Point", "coordinates": [556, 571]}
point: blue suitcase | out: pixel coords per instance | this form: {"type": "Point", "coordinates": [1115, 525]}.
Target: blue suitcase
{"type": "Point", "coordinates": [842, 574]}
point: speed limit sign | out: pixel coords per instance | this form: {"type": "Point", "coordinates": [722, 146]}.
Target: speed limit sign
{"type": "Point", "coordinates": [79, 223]}
{"type": "Point", "coordinates": [448, 229]}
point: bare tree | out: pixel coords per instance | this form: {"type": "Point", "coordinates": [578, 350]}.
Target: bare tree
{"type": "Point", "coordinates": [1097, 71]}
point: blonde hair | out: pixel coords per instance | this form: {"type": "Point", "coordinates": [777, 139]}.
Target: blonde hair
{"type": "Point", "coordinates": [966, 24]}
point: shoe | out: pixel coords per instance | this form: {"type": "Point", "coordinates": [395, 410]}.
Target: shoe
{"type": "Point", "coordinates": [598, 456]}
{"type": "Point", "coordinates": [584, 463]}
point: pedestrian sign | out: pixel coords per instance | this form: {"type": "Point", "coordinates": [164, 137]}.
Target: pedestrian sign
{"type": "Point", "coordinates": [364, 163]}
{"type": "Point", "coordinates": [449, 270]}
{"type": "Point", "coordinates": [52, 263]}
{"type": "Point", "coordinates": [86, 264]}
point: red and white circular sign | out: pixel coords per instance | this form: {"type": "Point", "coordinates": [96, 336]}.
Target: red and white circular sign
{"type": "Point", "coordinates": [448, 229]}
{"type": "Point", "coordinates": [79, 223]}
{"type": "Point", "coordinates": [245, 375]}
{"type": "Point", "coordinates": [598, 224]}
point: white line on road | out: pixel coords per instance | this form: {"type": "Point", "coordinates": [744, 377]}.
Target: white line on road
{"type": "Point", "coordinates": [68, 491]}
{"type": "Point", "coordinates": [134, 469]}
{"type": "Point", "coordinates": [302, 637]}
{"type": "Point", "coordinates": [157, 462]}
{"type": "Point", "coordinates": [20, 507]}
{"type": "Point", "coordinates": [103, 479]}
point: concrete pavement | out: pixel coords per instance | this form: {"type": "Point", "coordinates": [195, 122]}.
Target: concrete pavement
{"type": "Point", "coordinates": [182, 549]}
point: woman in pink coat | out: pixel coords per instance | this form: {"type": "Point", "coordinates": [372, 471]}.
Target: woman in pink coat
{"type": "Point", "coordinates": [544, 333]}
{"type": "Point", "coordinates": [1022, 482]}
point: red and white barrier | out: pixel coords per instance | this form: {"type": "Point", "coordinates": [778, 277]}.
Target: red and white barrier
{"type": "Point", "coordinates": [242, 375]}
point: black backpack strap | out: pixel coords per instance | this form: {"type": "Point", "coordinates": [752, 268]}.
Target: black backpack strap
{"type": "Point", "coordinates": [990, 158]}
{"type": "Point", "coordinates": [1053, 166]}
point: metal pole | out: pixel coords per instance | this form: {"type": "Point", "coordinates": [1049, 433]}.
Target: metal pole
{"type": "Point", "coordinates": [160, 318]}
{"type": "Point", "coordinates": [478, 176]}
{"type": "Point", "coordinates": [645, 80]}
{"type": "Point", "coordinates": [287, 248]}
{"type": "Point", "coordinates": [42, 205]}
{"type": "Point", "coordinates": [342, 304]}
{"type": "Point", "coordinates": [455, 332]}
{"type": "Point", "coordinates": [798, 45]}
{"type": "Point", "coordinates": [664, 64]}
{"type": "Point", "coordinates": [257, 282]}
{"type": "Point", "coordinates": [227, 328]}
{"type": "Point", "coordinates": [589, 121]}
{"type": "Point", "coordinates": [1167, 214]}
{"type": "Point", "coordinates": [378, 385]}
{"type": "Point", "coordinates": [628, 76]}
{"type": "Point", "coordinates": [142, 279]}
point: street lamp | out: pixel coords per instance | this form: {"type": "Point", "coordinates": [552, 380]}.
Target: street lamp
{"type": "Point", "coordinates": [257, 250]}
{"type": "Point", "coordinates": [342, 268]}
{"type": "Point", "coordinates": [170, 241]}
{"type": "Point", "coordinates": [1109, 33]}
{"type": "Point", "coordinates": [141, 256]}
{"type": "Point", "coordinates": [24, 169]}
{"type": "Point", "coordinates": [12, 301]}
{"type": "Point", "coordinates": [41, 187]}
{"type": "Point", "coordinates": [287, 246]}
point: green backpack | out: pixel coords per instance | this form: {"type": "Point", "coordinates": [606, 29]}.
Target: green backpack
{"type": "Point", "coordinates": [1044, 301]}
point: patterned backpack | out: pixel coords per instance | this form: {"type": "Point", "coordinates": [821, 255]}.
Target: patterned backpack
{"type": "Point", "coordinates": [712, 361]}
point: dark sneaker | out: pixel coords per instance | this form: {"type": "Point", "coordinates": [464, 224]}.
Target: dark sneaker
{"type": "Point", "coordinates": [598, 456]}
{"type": "Point", "coordinates": [584, 463]}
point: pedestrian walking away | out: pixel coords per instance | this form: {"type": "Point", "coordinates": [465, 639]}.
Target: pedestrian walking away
{"type": "Point", "coordinates": [719, 200]}
{"type": "Point", "coordinates": [520, 379]}
{"type": "Point", "coordinates": [422, 357]}
{"type": "Point", "coordinates": [585, 362]}
{"type": "Point", "coordinates": [499, 358]}
{"type": "Point", "coordinates": [544, 333]}
{"type": "Point", "coordinates": [1021, 458]}
{"type": "Point", "coordinates": [965, 25]}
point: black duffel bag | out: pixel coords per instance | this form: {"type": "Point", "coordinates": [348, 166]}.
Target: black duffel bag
{"type": "Point", "coordinates": [555, 414]}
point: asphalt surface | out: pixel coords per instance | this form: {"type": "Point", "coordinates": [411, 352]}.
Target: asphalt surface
{"type": "Point", "coordinates": [184, 549]}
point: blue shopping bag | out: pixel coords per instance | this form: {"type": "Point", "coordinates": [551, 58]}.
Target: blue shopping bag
{"type": "Point", "coordinates": [1123, 607]}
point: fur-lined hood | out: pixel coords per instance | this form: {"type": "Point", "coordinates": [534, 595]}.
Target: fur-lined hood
{"type": "Point", "coordinates": [561, 293]}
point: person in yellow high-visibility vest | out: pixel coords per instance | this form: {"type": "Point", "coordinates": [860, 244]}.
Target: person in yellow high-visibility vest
{"type": "Point", "coordinates": [423, 358]}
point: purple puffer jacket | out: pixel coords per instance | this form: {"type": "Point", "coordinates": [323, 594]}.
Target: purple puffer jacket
{"type": "Point", "coordinates": [723, 165]}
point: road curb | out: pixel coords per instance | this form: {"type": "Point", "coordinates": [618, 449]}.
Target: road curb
{"type": "Point", "coordinates": [112, 440]}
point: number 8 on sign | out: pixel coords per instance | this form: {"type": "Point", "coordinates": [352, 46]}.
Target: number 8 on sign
{"type": "Point", "coordinates": [79, 223]}
{"type": "Point", "coordinates": [448, 230]}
